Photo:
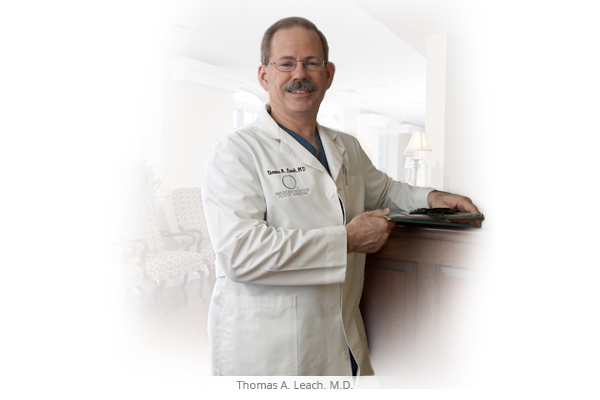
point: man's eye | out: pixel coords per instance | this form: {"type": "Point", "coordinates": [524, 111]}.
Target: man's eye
{"type": "Point", "coordinates": [286, 64]}
{"type": "Point", "coordinates": [313, 62]}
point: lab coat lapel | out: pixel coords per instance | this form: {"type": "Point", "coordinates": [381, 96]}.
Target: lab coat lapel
{"type": "Point", "coordinates": [290, 147]}
{"type": "Point", "coordinates": [333, 152]}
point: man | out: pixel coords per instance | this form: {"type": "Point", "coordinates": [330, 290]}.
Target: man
{"type": "Point", "coordinates": [285, 202]}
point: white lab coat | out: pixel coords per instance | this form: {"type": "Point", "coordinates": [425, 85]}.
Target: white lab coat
{"type": "Point", "coordinates": [286, 297]}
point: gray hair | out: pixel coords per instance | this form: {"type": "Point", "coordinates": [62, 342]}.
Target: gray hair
{"type": "Point", "coordinates": [288, 23]}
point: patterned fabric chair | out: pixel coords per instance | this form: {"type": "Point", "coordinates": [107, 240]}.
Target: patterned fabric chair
{"type": "Point", "coordinates": [187, 203]}
{"type": "Point", "coordinates": [138, 221]}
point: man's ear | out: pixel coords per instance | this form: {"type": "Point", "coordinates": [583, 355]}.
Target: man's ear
{"type": "Point", "coordinates": [329, 71]}
{"type": "Point", "coordinates": [262, 77]}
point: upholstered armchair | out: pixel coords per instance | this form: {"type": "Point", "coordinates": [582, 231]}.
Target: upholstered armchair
{"type": "Point", "coordinates": [189, 213]}
{"type": "Point", "coordinates": [138, 222]}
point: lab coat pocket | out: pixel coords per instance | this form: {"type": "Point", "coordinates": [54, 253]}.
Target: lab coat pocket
{"type": "Point", "coordinates": [258, 336]}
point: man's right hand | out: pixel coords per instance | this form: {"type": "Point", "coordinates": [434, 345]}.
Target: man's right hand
{"type": "Point", "coordinates": [369, 231]}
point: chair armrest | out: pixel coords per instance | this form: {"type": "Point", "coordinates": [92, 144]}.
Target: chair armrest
{"type": "Point", "coordinates": [174, 234]}
{"type": "Point", "coordinates": [200, 236]}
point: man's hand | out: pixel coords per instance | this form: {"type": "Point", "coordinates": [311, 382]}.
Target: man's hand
{"type": "Point", "coordinates": [437, 199]}
{"type": "Point", "coordinates": [368, 231]}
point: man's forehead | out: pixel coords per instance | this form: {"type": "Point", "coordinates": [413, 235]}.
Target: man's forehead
{"type": "Point", "coordinates": [294, 39]}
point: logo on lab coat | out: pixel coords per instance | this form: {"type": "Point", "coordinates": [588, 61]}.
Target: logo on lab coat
{"type": "Point", "coordinates": [289, 181]}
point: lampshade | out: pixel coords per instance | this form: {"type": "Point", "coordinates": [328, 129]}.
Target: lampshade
{"type": "Point", "coordinates": [418, 145]}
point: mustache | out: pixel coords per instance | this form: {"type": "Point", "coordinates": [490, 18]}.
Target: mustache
{"type": "Point", "coordinates": [296, 85]}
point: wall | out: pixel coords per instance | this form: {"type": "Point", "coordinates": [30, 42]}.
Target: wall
{"type": "Point", "coordinates": [194, 118]}
{"type": "Point", "coordinates": [368, 136]}
{"type": "Point", "coordinates": [392, 154]}
{"type": "Point", "coordinates": [189, 118]}
{"type": "Point", "coordinates": [351, 121]}
{"type": "Point", "coordinates": [366, 127]}
{"type": "Point", "coordinates": [435, 111]}
{"type": "Point", "coordinates": [468, 144]}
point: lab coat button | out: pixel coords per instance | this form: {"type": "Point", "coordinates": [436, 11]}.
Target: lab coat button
{"type": "Point", "coordinates": [345, 355]}
{"type": "Point", "coordinates": [329, 194]}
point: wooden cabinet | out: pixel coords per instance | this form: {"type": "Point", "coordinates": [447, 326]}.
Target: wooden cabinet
{"type": "Point", "coordinates": [424, 302]}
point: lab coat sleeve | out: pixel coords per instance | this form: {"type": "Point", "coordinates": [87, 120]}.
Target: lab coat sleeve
{"type": "Point", "coordinates": [381, 191]}
{"type": "Point", "coordinates": [247, 249]}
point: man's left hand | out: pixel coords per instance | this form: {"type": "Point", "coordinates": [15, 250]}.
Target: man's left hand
{"type": "Point", "coordinates": [437, 199]}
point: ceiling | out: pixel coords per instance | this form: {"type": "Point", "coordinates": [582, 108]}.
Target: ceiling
{"type": "Point", "coordinates": [376, 70]}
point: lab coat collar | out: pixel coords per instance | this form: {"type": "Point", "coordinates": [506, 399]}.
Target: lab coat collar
{"type": "Point", "coordinates": [290, 146]}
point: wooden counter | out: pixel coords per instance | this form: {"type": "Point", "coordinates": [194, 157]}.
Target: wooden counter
{"type": "Point", "coordinates": [423, 301]}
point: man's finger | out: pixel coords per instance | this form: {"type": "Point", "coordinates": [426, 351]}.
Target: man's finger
{"type": "Point", "coordinates": [468, 206]}
{"type": "Point", "coordinates": [381, 213]}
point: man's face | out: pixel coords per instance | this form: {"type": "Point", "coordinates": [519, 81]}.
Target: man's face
{"type": "Point", "coordinates": [297, 43]}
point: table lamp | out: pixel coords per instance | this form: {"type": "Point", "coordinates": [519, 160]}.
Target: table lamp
{"type": "Point", "coordinates": [417, 148]}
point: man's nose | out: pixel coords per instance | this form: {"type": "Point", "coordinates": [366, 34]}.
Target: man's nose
{"type": "Point", "coordinates": [300, 70]}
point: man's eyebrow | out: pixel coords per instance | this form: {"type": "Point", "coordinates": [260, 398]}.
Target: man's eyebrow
{"type": "Point", "coordinates": [293, 58]}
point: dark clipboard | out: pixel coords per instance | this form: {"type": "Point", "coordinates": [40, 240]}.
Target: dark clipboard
{"type": "Point", "coordinates": [439, 217]}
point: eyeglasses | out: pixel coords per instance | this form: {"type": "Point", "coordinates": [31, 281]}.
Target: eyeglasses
{"type": "Point", "coordinates": [287, 64]}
